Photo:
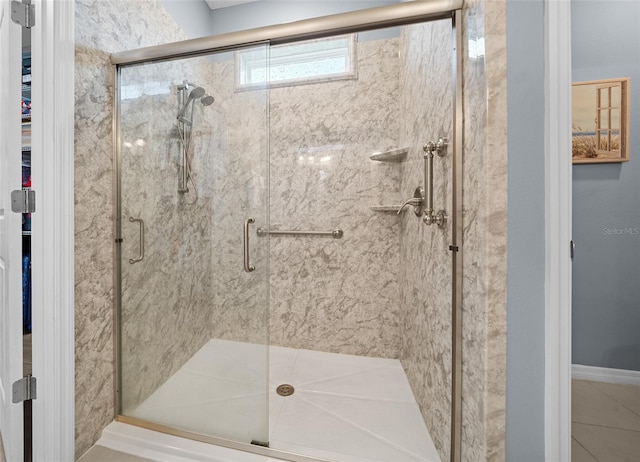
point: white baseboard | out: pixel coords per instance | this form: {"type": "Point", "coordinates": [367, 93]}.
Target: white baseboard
{"type": "Point", "coordinates": [605, 374]}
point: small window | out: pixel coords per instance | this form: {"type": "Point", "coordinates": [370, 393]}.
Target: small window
{"type": "Point", "coordinates": [298, 63]}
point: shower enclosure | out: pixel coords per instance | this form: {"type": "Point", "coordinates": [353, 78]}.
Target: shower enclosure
{"type": "Point", "coordinates": [288, 240]}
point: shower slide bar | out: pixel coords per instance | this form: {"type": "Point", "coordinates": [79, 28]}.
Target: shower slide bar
{"type": "Point", "coordinates": [336, 233]}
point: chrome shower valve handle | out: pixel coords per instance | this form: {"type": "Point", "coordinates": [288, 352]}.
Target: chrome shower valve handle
{"type": "Point", "coordinates": [417, 201]}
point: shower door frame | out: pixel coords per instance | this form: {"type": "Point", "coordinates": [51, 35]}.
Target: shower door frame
{"type": "Point", "coordinates": [357, 21]}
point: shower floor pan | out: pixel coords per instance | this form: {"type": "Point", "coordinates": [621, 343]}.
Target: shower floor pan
{"type": "Point", "coordinates": [344, 408]}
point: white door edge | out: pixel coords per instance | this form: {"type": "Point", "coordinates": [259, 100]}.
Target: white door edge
{"type": "Point", "coordinates": [52, 247]}
{"type": "Point", "coordinates": [11, 318]}
{"type": "Point", "coordinates": [557, 422]}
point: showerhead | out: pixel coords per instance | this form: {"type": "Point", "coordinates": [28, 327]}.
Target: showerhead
{"type": "Point", "coordinates": [196, 93]}
{"type": "Point", "coordinates": [207, 100]}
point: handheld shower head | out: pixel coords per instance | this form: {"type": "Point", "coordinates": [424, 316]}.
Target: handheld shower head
{"type": "Point", "coordinates": [196, 93]}
{"type": "Point", "coordinates": [207, 100]}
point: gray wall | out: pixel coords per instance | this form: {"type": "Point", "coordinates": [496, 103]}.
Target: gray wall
{"type": "Point", "coordinates": [525, 246]}
{"type": "Point", "coordinates": [606, 198]}
{"type": "Point", "coordinates": [267, 12]}
{"type": "Point", "coordinates": [198, 20]}
{"type": "Point", "coordinates": [193, 16]}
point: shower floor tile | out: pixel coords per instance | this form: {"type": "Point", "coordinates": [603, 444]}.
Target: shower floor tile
{"type": "Point", "coordinates": [344, 408]}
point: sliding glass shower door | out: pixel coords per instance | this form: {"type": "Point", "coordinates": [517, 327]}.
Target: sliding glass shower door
{"type": "Point", "coordinates": [192, 273]}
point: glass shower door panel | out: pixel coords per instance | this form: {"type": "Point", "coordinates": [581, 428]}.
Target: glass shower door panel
{"type": "Point", "coordinates": [193, 316]}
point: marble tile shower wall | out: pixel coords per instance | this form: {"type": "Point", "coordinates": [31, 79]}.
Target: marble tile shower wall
{"type": "Point", "coordinates": [485, 231]}
{"type": "Point", "coordinates": [336, 295]}
{"type": "Point", "coordinates": [474, 430]}
{"type": "Point", "coordinates": [426, 344]}
{"type": "Point", "coordinates": [166, 297]}
{"type": "Point", "coordinates": [425, 275]}
{"type": "Point", "coordinates": [102, 27]}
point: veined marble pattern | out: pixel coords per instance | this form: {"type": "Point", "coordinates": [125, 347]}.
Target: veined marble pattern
{"type": "Point", "coordinates": [496, 227]}
{"type": "Point", "coordinates": [425, 276]}
{"type": "Point", "coordinates": [474, 380]}
{"type": "Point", "coordinates": [93, 244]}
{"type": "Point", "coordinates": [336, 295]}
{"type": "Point", "coordinates": [102, 27]}
{"type": "Point", "coordinates": [485, 185]}
{"type": "Point", "coordinates": [166, 297]}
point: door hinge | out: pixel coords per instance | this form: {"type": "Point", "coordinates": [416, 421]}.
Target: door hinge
{"type": "Point", "coordinates": [572, 248]}
{"type": "Point", "coordinates": [24, 389]}
{"type": "Point", "coordinates": [23, 201]}
{"type": "Point", "coordinates": [23, 14]}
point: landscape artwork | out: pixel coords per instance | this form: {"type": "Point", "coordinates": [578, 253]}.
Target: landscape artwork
{"type": "Point", "coordinates": [599, 121]}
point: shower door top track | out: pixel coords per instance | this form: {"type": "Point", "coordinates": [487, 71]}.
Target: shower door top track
{"type": "Point", "coordinates": [325, 26]}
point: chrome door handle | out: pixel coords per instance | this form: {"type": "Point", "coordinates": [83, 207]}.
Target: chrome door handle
{"type": "Point", "coordinates": [247, 267]}
{"type": "Point", "coordinates": [141, 257]}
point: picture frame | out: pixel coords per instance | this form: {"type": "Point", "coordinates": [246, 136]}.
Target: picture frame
{"type": "Point", "coordinates": [600, 121]}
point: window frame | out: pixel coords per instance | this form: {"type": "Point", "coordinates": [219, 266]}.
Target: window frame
{"type": "Point", "coordinates": [245, 64]}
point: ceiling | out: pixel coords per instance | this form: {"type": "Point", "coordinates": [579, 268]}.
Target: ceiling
{"type": "Point", "coordinates": [215, 4]}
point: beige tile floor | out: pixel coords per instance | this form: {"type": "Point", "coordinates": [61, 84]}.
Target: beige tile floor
{"type": "Point", "coordinates": [605, 422]}
{"type": "Point", "coordinates": [2, 459]}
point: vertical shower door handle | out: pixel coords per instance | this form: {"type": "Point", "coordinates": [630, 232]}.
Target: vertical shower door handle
{"type": "Point", "coordinates": [247, 267]}
{"type": "Point", "coordinates": [141, 257]}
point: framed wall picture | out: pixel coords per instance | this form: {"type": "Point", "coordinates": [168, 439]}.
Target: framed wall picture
{"type": "Point", "coordinates": [600, 121]}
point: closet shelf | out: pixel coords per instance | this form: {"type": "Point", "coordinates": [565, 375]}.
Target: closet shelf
{"type": "Point", "coordinates": [392, 155]}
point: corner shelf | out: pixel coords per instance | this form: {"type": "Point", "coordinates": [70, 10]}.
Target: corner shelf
{"type": "Point", "coordinates": [392, 155]}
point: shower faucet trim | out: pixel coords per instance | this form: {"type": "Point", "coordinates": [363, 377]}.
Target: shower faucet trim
{"type": "Point", "coordinates": [417, 201]}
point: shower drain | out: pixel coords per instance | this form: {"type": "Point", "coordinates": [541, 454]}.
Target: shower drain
{"type": "Point", "coordinates": [285, 390]}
